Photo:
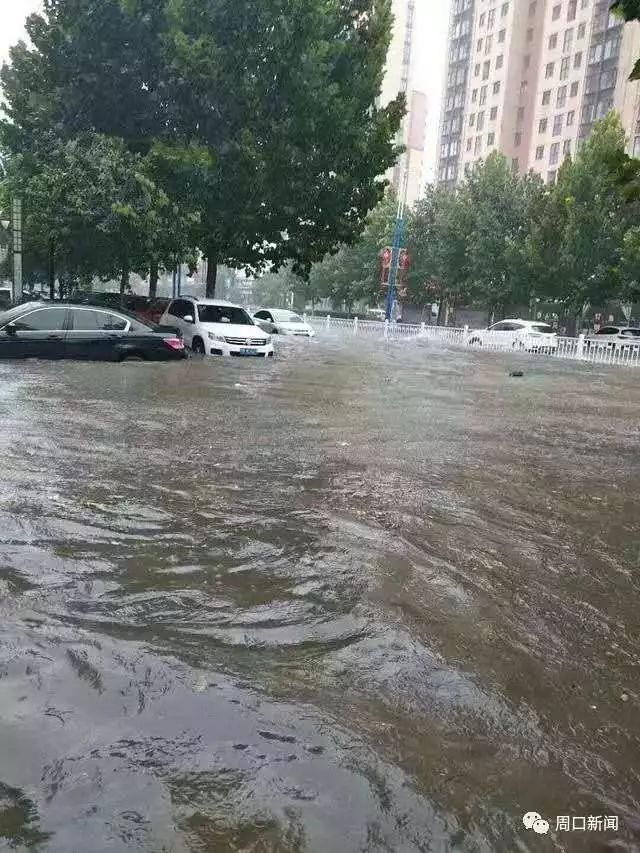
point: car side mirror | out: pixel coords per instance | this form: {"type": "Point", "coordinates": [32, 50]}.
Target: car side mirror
{"type": "Point", "coordinates": [188, 318]}
{"type": "Point", "coordinates": [10, 328]}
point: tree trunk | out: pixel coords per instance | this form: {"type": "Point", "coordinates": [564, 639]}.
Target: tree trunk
{"type": "Point", "coordinates": [52, 269]}
{"type": "Point", "coordinates": [212, 275]}
{"type": "Point", "coordinates": [442, 312]}
{"type": "Point", "coordinates": [154, 274]}
{"type": "Point", "coordinates": [124, 282]}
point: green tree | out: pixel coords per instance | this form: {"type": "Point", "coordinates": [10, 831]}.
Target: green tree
{"type": "Point", "coordinates": [352, 274]}
{"type": "Point", "coordinates": [278, 103]}
{"type": "Point", "coordinates": [437, 241]}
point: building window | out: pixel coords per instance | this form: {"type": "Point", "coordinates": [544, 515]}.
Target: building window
{"type": "Point", "coordinates": [493, 115]}
{"type": "Point", "coordinates": [483, 95]}
{"type": "Point", "coordinates": [548, 72]}
{"type": "Point", "coordinates": [488, 44]}
{"type": "Point", "coordinates": [546, 97]}
{"type": "Point", "coordinates": [477, 148]}
{"type": "Point", "coordinates": [485, 69]}
{"type": "Point", "coordinates": [501, 36]}
{"type": "Point", "coordinates": [515, 164]}
{"type": "Point", "coordinates": [474, 96]}
{"type": "Point", "coordinates": [571, 11]}
{"type": "Point", "coordinates": [526, 62]}
{"type": "Point", "coordinates": [491, 138]}
{"type": "Point", "coordinates": [554, 153]}
{"type": "Point", "coordinates": [574, 88]}
{"type": "Point", "coordinates": [564, 67]}
{"type": "Point", "coordinates": [570, 117]}
{"type": "Point", "coordinates": [523, 87]}
{"type": "Point", "coordinates": [496, 87]}
{"type": "Point", "coordinates": [491, 15]}
{"type": "Point", "coordinates": [505, 10]}
{"type": "Point", "coordinates": [561, 98]}
{"type": "Point", "coordinates": [608, 79]}
{"type": "Point", "coordinates": [577, 59]}
{"type": "Point", "coordinates": [566, 148]}
{"type": "Point", "coordinates": [476, 70]}
{"type": "Point", "coordinates": [517, 139]}
{"type": "Point", "coordinates": [520, 114]}
{"type": "Point", "coordinates": [582, 29]}
{"type": "Point", "coordinates": [530, 34]}
{"type": "Point", "coordinates": [479, 46]}
{"type": "Point", "coordinates": [636, 146]}
{"type": "Point", "coordinates": [567, 43]}
{"type": "Point", "coordinates": [553, 41]}
{"type": "Point", "coordinates": [542, 125]}
{"type": "Point", "coordinates": [555, 14]}
{"type": "Point", "coordinates": [480, 121]}
{"type": "Point", "coordinates": [532, 8]}
{"type": "Point", "coordinates": [483, 18]}
{"type": "Point", "coordinates": [472, 119]}
{"type": "Point", "coordinates": [558, 123]}
{"type": "Point", "coordinates": [540, 152]}
{"type": "Point", "coordinates": [551, 176]}
{"type": "Point", "coordinates": [469, 143]}
{"type": "Point", "coordinates": [499, 61]}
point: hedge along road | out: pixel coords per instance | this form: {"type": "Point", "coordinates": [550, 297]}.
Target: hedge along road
{"type": "Point", "coordinates": [365, 597]}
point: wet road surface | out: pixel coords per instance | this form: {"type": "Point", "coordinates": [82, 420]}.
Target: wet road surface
{"type": "Point", "coordinates": [364, 598]}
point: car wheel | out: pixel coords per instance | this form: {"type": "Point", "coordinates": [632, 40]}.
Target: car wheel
{"type": "Point", "coordinates": [197, 346]}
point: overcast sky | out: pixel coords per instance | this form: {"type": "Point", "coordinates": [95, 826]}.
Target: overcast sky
{"type": "Point", "coordinates": [432, 17]}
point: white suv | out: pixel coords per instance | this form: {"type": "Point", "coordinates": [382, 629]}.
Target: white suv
{"type": "Point", "coordinates": [215, 327]}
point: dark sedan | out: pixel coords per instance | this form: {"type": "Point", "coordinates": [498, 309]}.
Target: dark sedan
{"type": "Point", "coordinates": [55, 331]}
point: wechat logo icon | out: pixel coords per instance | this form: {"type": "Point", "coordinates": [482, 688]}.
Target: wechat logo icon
{"type": "Point", "coordinates": [534, 821]}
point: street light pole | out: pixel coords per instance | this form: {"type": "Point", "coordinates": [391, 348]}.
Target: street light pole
{"type": "Point", "coordinates": [398, 241]}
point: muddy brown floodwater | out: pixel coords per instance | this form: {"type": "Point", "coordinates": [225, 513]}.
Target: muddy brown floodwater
{"type": "Point", "coordinates": [364, 598]}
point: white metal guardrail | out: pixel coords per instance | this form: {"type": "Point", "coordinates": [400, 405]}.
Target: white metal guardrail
{"type": "Point", "coordinates": [579, 348]}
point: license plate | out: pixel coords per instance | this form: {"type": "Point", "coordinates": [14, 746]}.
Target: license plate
{"type": "Point", "coordinates": [248, 351]}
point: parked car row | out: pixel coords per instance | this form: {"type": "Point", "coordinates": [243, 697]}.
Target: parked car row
{"type": "Point", "coordinates": [535, 336]}
{"type": "Point", "coordinates": [103, 333]}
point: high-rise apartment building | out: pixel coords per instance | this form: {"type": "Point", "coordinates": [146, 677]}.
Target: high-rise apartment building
{"type": "Point", "coordinates": [530, 78]}
{"type": "Point", "coordinates": [399, 79]}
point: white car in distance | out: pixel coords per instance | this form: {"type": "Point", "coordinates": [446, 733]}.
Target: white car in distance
{"type": "Point", "coordinates": [529, 335]}
{"type": "Point", "coordinates": [216, 327]}
{"type": "Point", "coordinates": [278, 321]}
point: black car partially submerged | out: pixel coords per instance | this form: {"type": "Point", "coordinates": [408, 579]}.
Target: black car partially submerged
{"type": "Point", "coordinates": [55, 331]}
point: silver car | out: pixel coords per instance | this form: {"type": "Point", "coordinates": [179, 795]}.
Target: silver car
{"type": "Point", "coordinates": [278, 321]}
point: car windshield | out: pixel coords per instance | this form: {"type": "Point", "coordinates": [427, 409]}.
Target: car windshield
{"type": "Point", "coordinates": [542, 327]}
{"type": "Point", "coordinates": [224, 314]}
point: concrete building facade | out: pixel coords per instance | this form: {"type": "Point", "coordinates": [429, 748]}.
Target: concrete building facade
{"type": "Point", "coordinates": [539, 74]}
{"type": "Point", "coordinates": [399, 79]}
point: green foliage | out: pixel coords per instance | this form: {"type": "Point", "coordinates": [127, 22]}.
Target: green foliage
{"type": "Point", "coordinates": [256, 126]}
{"type": "Point", "coordinates": [352, 273]}
{"type": "Point", "coordinates": [502, 240]}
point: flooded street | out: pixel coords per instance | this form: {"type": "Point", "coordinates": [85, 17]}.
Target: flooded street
{"type": "Point", "coordinates": [360, 598]}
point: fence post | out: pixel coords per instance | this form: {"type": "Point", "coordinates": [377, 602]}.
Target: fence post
{"type": "Point", "coordinates": [355, 325]}
{"type": "Point", "coordinates": [328, 320]}
{"type": "Point", "coordinates": [304, 318]}
{"type": "Point", "coordinates": [422, 328]}
{"type": "Point", "coordinates": [580, 350]}
{"type": "Point", "coordinates": [466, 331]}
{"type": "Point", "coordinates": [386, 328]}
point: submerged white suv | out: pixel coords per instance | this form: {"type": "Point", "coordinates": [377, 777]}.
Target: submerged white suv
{"type": "Point", "coordinates": [216, 327]}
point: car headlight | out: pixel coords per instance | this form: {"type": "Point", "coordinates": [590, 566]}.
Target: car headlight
{"type": "Point", "coordinates": [268, 339]}
{"type": "Point", "coordinates": [213, 337]}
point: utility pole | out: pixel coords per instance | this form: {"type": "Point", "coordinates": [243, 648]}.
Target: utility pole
{"type": "Point", "coordinates": [398, 242]}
